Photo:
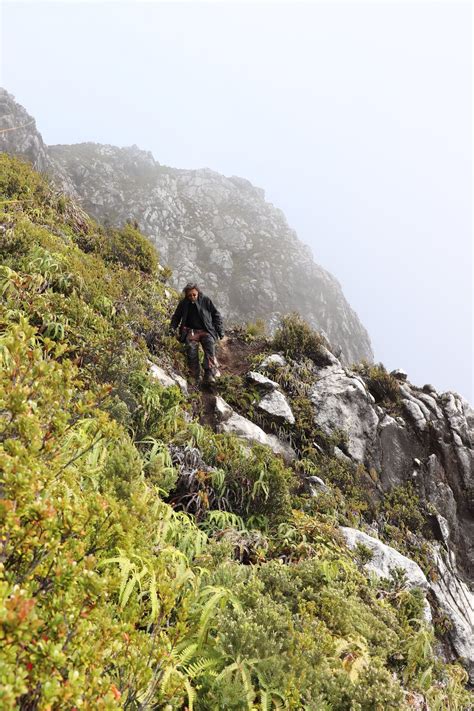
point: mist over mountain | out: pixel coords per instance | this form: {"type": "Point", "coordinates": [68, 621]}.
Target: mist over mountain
{"type": "Point", "coordinates": [208, 228]}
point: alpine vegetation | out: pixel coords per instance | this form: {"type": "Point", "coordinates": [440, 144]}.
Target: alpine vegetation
{"type": "Point", "coordinates": [163, 548]}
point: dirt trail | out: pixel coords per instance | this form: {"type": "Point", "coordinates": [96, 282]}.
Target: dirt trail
{"type": "Point", "coordinates": [233, 356]}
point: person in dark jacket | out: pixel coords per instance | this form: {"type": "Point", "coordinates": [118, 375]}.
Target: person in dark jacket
{"type": "Point", "coordinates": [199, 323]}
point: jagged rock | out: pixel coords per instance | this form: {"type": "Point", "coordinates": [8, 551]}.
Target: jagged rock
{"type": "Point", "coordinates": [230, 421]}
{"type": "Point", "coordinates": [274, 360]}
{"type": "Point", "coordinates": [416, 414]}
{"type": "Point", "coordinates": [399, 374]}
{"type": "Point", "coordinates": [276, 405]}
{"type": "Point", "coordinates": [340, 455]}
{"type": "Point", "coordinates": [457, 602]}
{"type": "Point", "coordinates": [341, 402]}
{"type": "Point", "coordinates": [433, 447]}
{"type": "Point", "coordinates": [219, 231]}
{"type": "Point", "coordinates": [262, 381]}
{"type": "Point", "coordinates": [326, 355]}
{"type": "Point", "coordinates": [166, 379]}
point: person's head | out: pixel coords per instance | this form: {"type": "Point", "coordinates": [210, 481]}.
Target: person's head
{"type": "Point", "coordinates": [191, 292]}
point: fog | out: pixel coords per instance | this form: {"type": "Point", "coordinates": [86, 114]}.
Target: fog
{"type": "Point", "coordinates": [355, 119]}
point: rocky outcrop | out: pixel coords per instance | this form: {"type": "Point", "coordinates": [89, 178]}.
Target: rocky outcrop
{"type": "Point", "coordinates": [386, 560]}
{"type": "Point", "coordinates": [450, 594]}
{"type": "Point", "coordinates": [430, 444]}
{"type": "Point", "coordinates": [19, 136]}
{"type": "Point", "coordinates": [230, 421]}
{"type": "Point", "coordinates": [456, 601]}
{"type": "Point", "coordinates": [214, 229]}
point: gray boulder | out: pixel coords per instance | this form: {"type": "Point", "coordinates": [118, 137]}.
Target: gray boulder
{"type": "Point", "coordinates": [276, 406]}
{"type": "Point", "coordinates": [167, 379]}
{"type": "Point", "coordinates": [230, 421]}
{"type": "Point", "coordinates": [262, 381]}
{"type": "Point", "coordinates": [386, 559]}
{"type": "Point", "coordinates": [341, 402]}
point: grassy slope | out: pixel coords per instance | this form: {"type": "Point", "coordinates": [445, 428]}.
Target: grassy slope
{"type": "Point", "coordinates": [109, 596]}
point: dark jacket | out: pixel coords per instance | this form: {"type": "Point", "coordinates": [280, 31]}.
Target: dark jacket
{"type": "Point", "coordinates": [210, 315]}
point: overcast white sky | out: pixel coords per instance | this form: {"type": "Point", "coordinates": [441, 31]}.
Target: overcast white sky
{"type": "Point", "coordinates": [355, 119]}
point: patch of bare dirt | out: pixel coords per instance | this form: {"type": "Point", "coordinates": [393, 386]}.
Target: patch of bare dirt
{"type": "Point", "coordinates": [234, 355]}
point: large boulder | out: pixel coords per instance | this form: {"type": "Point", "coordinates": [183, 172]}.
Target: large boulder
{"type": "Point", "coordinates": [230, 421]}
{"type": "Point", "coordinates": [342, 402]}
{"type": "Point", "coordinates": [453, 597]}
{"type": "Point", "coordinates": [385, 559]}
{"type": "Point", "coordinates": [261, 381]}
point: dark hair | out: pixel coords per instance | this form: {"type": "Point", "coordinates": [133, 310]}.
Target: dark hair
{"type": "Point", "coordinates": [189, 287]}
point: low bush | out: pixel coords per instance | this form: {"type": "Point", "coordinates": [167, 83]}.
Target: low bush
{"type": "Point", "coordinates": [296, 339]}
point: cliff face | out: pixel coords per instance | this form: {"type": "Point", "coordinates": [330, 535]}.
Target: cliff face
{"type": "Point", "coordinates": [211, 229]}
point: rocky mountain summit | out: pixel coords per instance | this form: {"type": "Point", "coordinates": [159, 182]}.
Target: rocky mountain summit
{"type": "Point", "coordinates": [216, 230]}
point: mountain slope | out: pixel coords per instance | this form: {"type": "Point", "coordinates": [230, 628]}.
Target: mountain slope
{"type": "Point", "coordinates": [150, 562]}
{"type": "Point", "coordinates": [216, 230]}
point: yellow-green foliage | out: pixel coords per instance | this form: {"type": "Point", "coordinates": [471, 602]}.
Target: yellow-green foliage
{"type": "Point", "coordinates": [110, 597]}
{"type": "Point", "coordinates": [382, 385]}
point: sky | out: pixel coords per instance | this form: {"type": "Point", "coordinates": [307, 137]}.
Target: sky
{"type": "Point", "coordinates": [355, 118]}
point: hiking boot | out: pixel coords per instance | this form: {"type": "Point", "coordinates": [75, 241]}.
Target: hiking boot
{"type": "Point", "coordinates": [208, 378]}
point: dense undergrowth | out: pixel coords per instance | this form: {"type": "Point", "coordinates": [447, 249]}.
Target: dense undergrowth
{"type": "Point", "coordinates": [127, 581]}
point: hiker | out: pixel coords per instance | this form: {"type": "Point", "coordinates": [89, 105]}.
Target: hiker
{"type": "Point", "coordinates": [199, 323]}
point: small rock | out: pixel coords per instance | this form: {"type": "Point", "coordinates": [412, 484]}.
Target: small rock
{"type": "Point", "coordinates": [399, 374]}
{"type": "Point", "coordinates": [262, 381]}
{"type": "Point", "coordinates": [241, 427]}
{"type": "Point", "coordinates": [276, 360]}
{"type": "Point", "coordinates": [316, 485]}
{"type": "Point", "coordinates": [166, 379]}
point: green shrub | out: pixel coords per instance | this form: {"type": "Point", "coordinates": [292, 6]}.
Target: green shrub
{"type": "Point", "coordinates": [129, 248]}
{"type": "Point", "coordinates": [296, 339]}
{"type": "Point", "coordinates": [384, 387]}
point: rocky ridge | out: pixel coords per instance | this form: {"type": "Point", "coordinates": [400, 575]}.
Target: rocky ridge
{"type": "Point", "coordinates": [429, 446]}
{"type": "Point", "coordinates": [216, 230]}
